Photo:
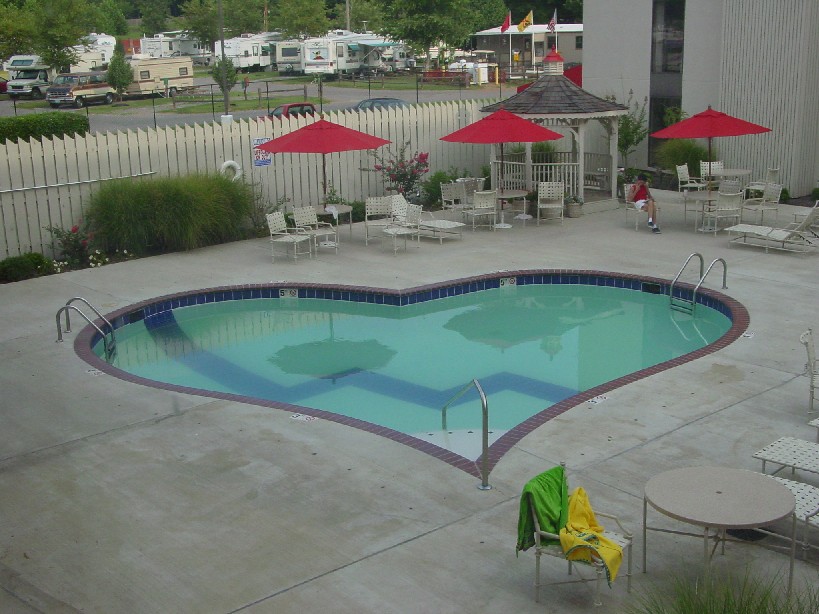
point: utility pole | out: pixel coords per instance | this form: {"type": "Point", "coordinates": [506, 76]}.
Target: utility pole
{"type": "Point", "coordinates": [347, 13]}
{"type": "Point", "coordinates": [222, 74]}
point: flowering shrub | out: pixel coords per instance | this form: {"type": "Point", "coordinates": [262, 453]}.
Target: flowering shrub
{"type": "Point", "coordinates": [401, 173]}
{"type": "Point", "coordinates": [73, 245]}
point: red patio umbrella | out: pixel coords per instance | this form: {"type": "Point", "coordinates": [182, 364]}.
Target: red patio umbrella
{"type": "Point", "coordinates": [502, 127]}
{"type": "Point", "coordinates": [322, 137]}
{"type": "Point", "coordinates": [708, 124]}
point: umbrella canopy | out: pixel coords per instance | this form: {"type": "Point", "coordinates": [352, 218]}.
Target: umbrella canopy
{"type": "Point", "coordinates": [332, 359]}
{"type": "Point", "coordinates": [709, 124]}
{"type": "Point", "coordinates": [502, 127]}
{"type": "Point", "coordinates": [322, 137]}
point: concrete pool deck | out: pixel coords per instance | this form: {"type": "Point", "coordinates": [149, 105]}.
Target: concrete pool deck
{"type": "Point", "coordinates": [116, 497]}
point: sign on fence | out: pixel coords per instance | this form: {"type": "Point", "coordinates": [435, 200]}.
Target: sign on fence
{"type": "Point", "coordinates": [261, 158]}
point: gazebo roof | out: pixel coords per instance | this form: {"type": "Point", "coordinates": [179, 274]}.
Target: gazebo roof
{"type": "Point", "coordinates": [555, 96]}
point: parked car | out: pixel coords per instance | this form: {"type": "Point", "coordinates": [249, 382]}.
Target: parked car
{"type": "Point", "coordinates": [293, 109]}
{"type": "Point", "coordinates": [3, 82]}
{"type": "Point", "coordinates": [380, 103]}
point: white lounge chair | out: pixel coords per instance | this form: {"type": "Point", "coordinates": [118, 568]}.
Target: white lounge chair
{"type": "Point", "coordinates": [807, 508]}
{"type": "Point", "coordinates": [440, 229]}
{"type": "Point", "coordinates": [790, 452]}
{"type": "Point", "coordinates": [796, 237]}
{"type": "Point", "coordinates": [806, 339]}
{"type": "Point", "coordinates": [280, 234]}
{"type": "Point", "coordinates": [769, 201]}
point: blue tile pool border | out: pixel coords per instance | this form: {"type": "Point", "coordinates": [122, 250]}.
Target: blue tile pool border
{"type": "Point", "coordinates": [155, 308]}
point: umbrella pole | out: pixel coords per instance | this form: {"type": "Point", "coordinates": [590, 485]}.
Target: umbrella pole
{"type": "Point", "coordinates": [324, 179]}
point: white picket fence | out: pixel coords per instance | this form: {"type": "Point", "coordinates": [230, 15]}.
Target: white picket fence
{"type": "Point", "coordinates": [49, 182]}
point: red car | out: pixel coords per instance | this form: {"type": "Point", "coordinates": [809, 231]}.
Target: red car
{"type": "Point", "coordinates": [293, 108]}
{"type": "Point", "coordinates": [3, 82]}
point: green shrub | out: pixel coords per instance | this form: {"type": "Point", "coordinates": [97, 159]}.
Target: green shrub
{"type": "Point", "coordinates": [676, 152]}
{"type": "Point", "coordinates": [431, 188]}
{"type": "Point", "coordinates": [814, 194]}
{"type": "Point", "coordinates": [39, 125]}
{"type": "Point", "coordinates": [18, 268]}
{"type": "Point", "coordinates": [785, 196]}
{"type": "Point", "coordinates": [170, 214]}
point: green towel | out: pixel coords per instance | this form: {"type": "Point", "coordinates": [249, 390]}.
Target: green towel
{"type": "Point", "coordinates": [549, 497]}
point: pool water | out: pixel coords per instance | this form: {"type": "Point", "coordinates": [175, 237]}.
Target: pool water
{"type": "Point", "coordinates": [529, 346]}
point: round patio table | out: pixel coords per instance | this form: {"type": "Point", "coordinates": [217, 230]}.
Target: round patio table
{"type": "Point", "coordinates": [718, 499]}
{"type": "Point", "coordinates": [503, 195]}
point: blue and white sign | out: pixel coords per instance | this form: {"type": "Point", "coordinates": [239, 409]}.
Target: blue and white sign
{"type": "Point", "coordinates": [261, 158]}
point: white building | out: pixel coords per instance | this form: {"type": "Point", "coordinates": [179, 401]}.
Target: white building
{"type": "Point", "coordinates": [754, 59]}
{"type": "Point", "coordinates": [526, 50]}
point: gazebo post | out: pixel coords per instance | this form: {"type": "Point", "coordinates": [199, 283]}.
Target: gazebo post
{"type": "Point", "coordinates": [613, 156]}
{"type": "Point", "coordinates": [581, 159]}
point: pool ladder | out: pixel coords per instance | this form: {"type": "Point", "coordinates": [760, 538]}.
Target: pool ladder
{"type": "Point", "coordinates": [687, 305]}
{"type": "Point", "coordinates": [484, 485]}
{"type": "Point", "coordinates": [109, 346]}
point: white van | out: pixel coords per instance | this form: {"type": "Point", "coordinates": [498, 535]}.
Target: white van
{"type": "Point", "coordinates": [28, 76]}
{"type": "Point", "coordinates": [79, 88]}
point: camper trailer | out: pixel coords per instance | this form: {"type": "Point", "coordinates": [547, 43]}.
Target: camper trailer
{"type": "Point", "coordinates": [344, 52]}
{"type": "Point", "coordinates": [175, 44]}
{"type": "Point", "coordinates": [289, 57]}
{"type": "Point", "coordinates": [163, 76]}
{"type": "Point", "coordinates": [28, 76]}
{"type": "Point", "coordinates": [250, 52]}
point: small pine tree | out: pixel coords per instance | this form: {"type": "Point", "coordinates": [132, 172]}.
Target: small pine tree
{"type": "Point", "coordinates": [224, 73]}
{"type": "Point", "coordinates": [120, 73]}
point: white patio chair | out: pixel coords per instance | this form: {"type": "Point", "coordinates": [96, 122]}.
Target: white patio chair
{"type": "Point", "coordinates": [324, 234]}
{"type": "Point", "coordinates": [540, 527]}
{"type": "Point", "coordinates": [730, 186]}
{"type": "Point", "coordinates": [685, 184]}
{"type": "Point", "coordinates": [726, 206]}
{"type": "Point", "coordinates": [453, 197]}
{"type": "Point", "coordinates": [408, 228]}
{"type": "Point", "coordinates": [281, 235]}
{"type": "Point", "coordinates": [795, 237]}
{"type": "Point", "coordinates": [377, 215]}
{"type": "Point", "coordinates": [757, 187]}
{"type": "Point", "coordinates": [707, 169]}
{"type": "Point", "coordinates": [631, 210]}
{"type": "Point", "coordinates": [484, 210]}
{"type": "Point", "coordinates": [812, 367]}
{"type": "Point", "coordinates": [550, 198]}
{"type": "Point", "coordinates": [769, 201]}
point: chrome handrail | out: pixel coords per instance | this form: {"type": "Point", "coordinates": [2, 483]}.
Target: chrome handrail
{"type": "Point", "coordinates": [484, 485]}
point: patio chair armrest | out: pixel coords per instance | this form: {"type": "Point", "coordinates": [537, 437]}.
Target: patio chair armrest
{"type": "Point", "coordinates": [616, 520]}
{"type": "Point", "coordinates": [541, 534]}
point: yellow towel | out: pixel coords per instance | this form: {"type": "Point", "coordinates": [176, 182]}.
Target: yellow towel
{"type": "Point", "coordinates": [582, 537]}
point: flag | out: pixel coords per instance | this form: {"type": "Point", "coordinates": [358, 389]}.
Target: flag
{"type": "Point", "coordinates": [506, 22]}
{"type": "Point", "coordinates": [553, 22]}
{"type": "Point", "coordinates": [527, 21]}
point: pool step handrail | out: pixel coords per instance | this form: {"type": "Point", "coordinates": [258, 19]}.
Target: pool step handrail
{"type": "Point", "coordinates": [687, 305]}
{"type": "Point", "coordinates": [108, 346]}
{"type": "Point", "coordinates": [484, 485]}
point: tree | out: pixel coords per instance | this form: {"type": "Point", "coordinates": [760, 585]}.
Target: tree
{"type": "Point", "coordinates": [244, 16]}
{"type": "Point", "coordinates": [225, 75]}
{"type": "Point", "coordinates": [302, 18]}
{"type": "Point", "coordinates": [487, 14]}
{"type": "Point", "coordinates": [633, 127]}
{"type": "Point", "coordinates": [18, 31]}
{"type": "Point", "coordinates": [200, 18]}
{"type": "Point", "coordinates": [110, 18]}
{"type": "Point", "coordinates": [155, 14]}
{"type": "Point", "coordinates": [120, 73]}
{"type": "Point", "coordinates": [361, 11]}
{"type": "Point", "coordinates": [60, 25]}
{"type": "Point", "coordinates": [427, 23]}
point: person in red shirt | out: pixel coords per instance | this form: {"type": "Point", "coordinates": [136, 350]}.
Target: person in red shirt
{"type": "Point", "coordinates": [642, 199]}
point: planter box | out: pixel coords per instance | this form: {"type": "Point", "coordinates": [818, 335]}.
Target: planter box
{"type": "Point", "coordinates": [574, 210]}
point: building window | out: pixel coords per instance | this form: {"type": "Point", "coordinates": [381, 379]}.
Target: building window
{"type": "Point", "coordinates": [578, 42]}
{"type": "Point", "coordinates": [551, 42]}
{"type": "Point", "coordinates": [183, 71]}
{"type": "Point", "coordinates": [667, 36]}
{"type": "Point", "coordinates": [144, 74]}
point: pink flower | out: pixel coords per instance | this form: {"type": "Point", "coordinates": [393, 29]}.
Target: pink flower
{"type": "Point", "coordinates": [75, 229]}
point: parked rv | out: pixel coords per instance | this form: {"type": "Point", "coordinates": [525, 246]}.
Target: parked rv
{"type": "Point", "coordinates": [29, 77]}
{"type": "Point", "coordinates": [163, 76]}
{"type": "Point", "coordinates": [78, 89]}
{"type": "Point", "coordinates": [345, 52]}
{"type": "Point", "coordinates": [175, 44]}
{"type": "Point", "coordinates": [289, 57]}
{"type": "Point", "coordinates": [250, 52]}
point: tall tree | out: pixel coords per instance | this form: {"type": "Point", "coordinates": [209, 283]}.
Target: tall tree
{"type": "Point", "coordinates": [120, 73]}
{"type": "Point", "coordinates": [244, 16]}
{"type": "Point", "coordinates": [296, 18]}
{"type": "Point", "coordinates": [427, 23]}
{"type": "Point", "coordinates": [19, 30]}
{"type": "Point", "coordinates": [370, 12]}
{"type": "Point", "coordinates": [200, 18]}
{"type": "Point", "coordinates": [110, 18]}
{"type": "Point", "coordinates": [155, 14]}
{"type": "Point", "coordinates": [487, 13]}
{"type": "Point", "coordinates": [60, 25]}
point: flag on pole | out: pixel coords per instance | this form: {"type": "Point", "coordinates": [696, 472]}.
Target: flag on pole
{"type": "Point", "coordinates": [527, 21]}
{"type": "Point", "coordinates": [506, 22]}
{"type": "Point", "coordinates": [553, 22]}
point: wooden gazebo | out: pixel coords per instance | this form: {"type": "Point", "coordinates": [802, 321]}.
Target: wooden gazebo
{"type": "Point", "coordinates": [555, 101]}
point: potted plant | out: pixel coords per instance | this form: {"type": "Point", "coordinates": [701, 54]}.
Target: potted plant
{"type": "Point", "coordinates": [574, 206]}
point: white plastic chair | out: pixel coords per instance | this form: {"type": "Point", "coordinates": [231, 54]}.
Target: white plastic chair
{"type": "Point", "coordinates": [307, 219]}
{"type": "Point", "coordinates": [769, 201]}
{"type": "Point", "coordinates": [726, 206]}
{"type": "Point", "coordinates": [550, 198]}
{"type": "Point", "coordinates": [453, 196]}
{"type": "Point", "coordinates": [484, 210]}
{"type": "Point", "coordinates": [408, 227]}
{"type": "Point", "coordinates": [280, 234]}
{"type": "Point", "coordinates": [771, 176]}
{"type": "Point", "coordinates": [377, 215]}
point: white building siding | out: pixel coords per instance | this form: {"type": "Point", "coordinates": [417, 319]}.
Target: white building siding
{"type": "Point", "coordinates": [755, 59]}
